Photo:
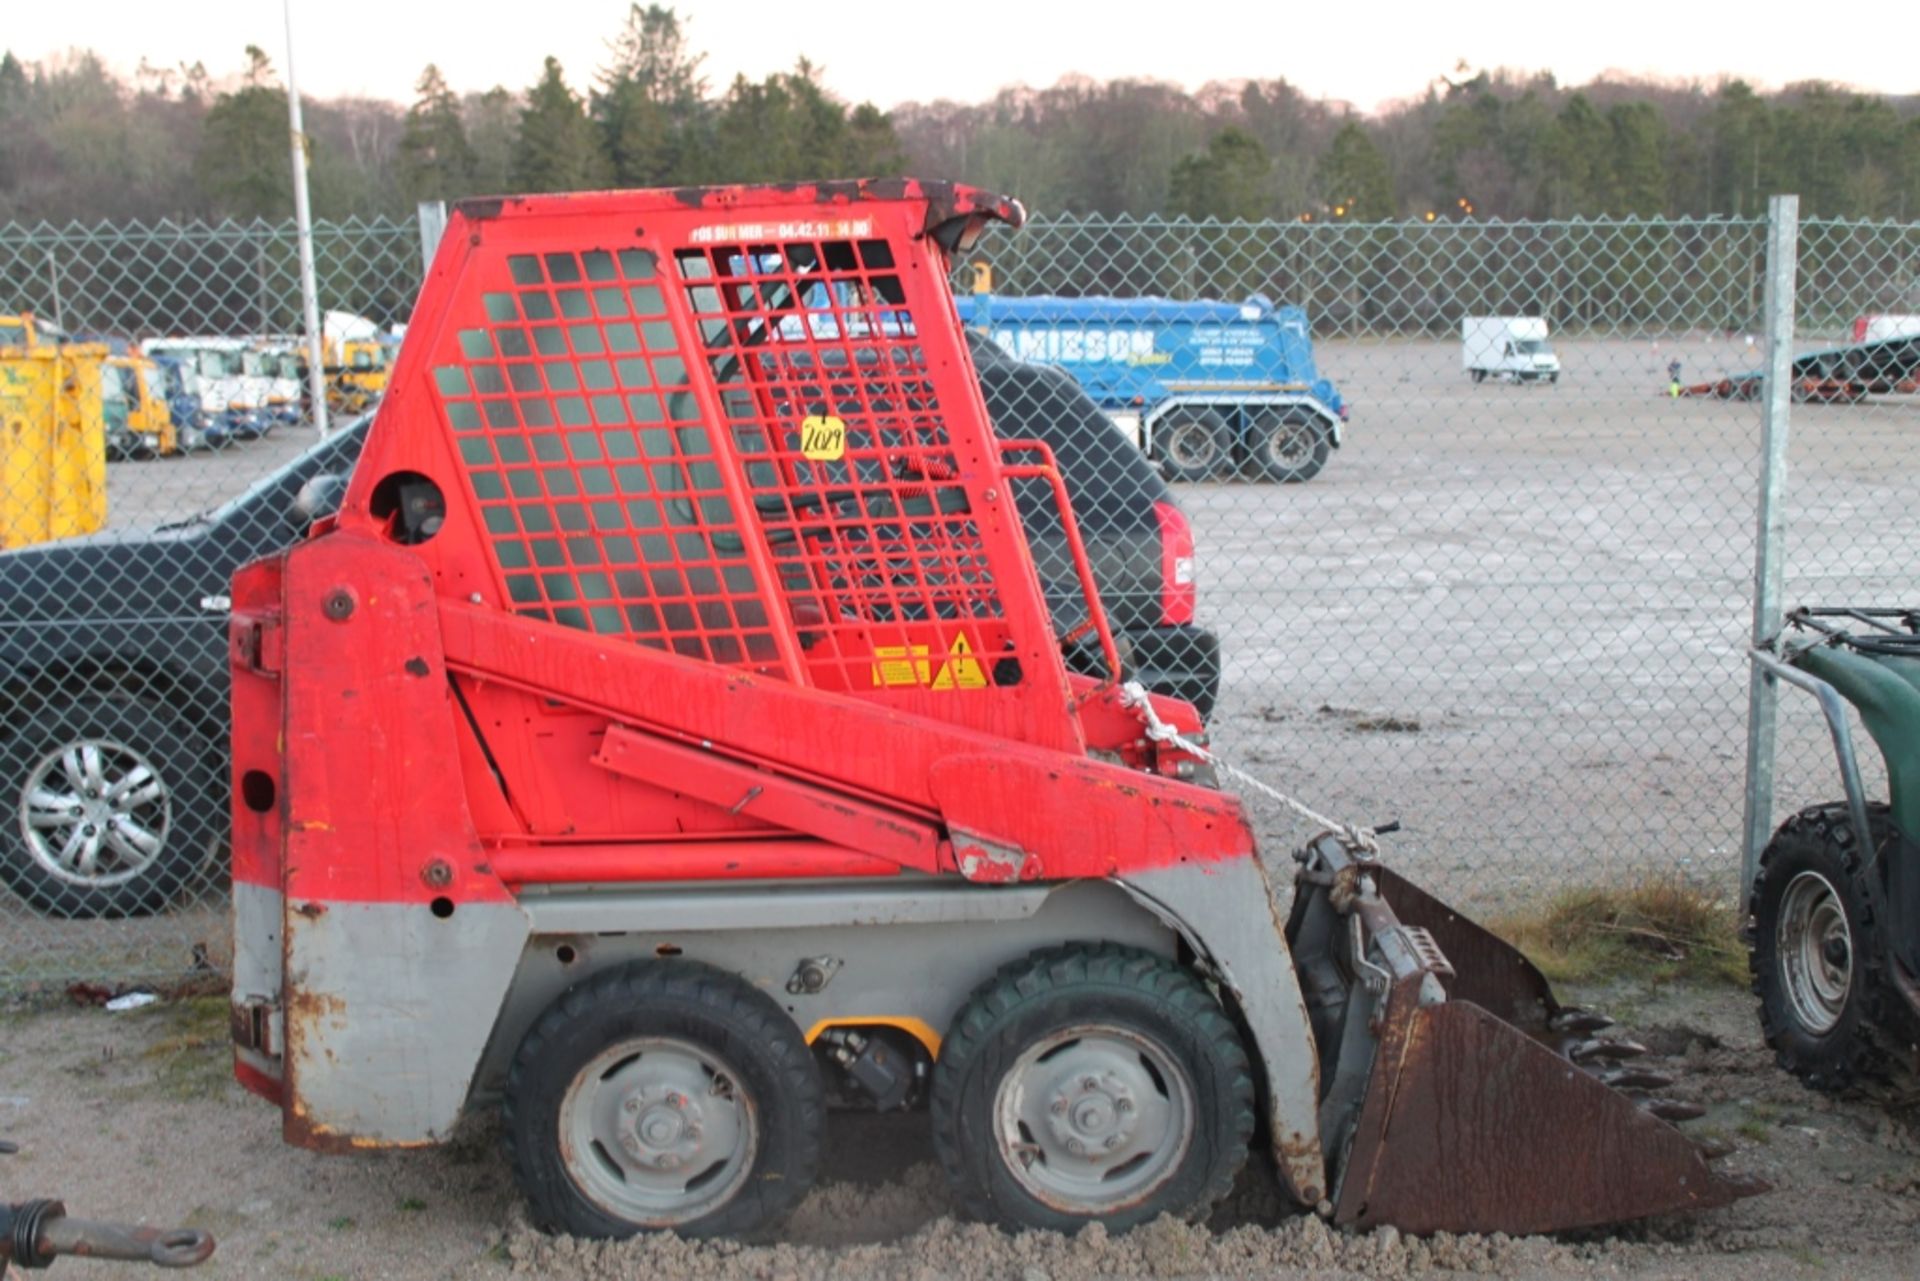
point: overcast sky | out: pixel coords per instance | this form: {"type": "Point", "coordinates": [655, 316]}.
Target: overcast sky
{"type": "Point", "coordinates": [890, 52]}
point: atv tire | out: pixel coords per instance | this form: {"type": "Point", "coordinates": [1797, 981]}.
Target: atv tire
{"type": "Point", "coordinates": [1818, 954]}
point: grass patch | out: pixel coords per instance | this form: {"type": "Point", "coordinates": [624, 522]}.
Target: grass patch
{"type": "Point", "coordinates": [191, 1059]}
{"type": "Point", "coordinates": [1663, 930]}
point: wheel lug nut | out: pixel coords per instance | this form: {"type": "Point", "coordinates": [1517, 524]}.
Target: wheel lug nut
{"type": "Point", "coordinates": [1089, 1083]}
{"type": "Point", "coordinates": [1113, 1141]}
{"type": "Point", "coordinates": [1076, 1147]}
{"type": "Point", "coordinates": [632, 1106]}
{"type": "Point", "coordinates": [1058, 1107]}
{"type": "Point", "coordinates": [1124, 1105]}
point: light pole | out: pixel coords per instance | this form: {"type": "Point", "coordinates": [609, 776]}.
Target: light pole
{"type": "Point", "coordinates": [303, 217]}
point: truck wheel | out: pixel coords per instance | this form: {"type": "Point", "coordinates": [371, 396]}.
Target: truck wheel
{"type": "Point", "coordinates": [1818, 955]}
{"type": "Point", "coordinates": [1289, 446]}
{"type": "Point", "coordinates": [1193, 444]}
{"type": "Point", "coordinates": [1479, 375]}
{"type": "Point", "coordinates": [112, 804]}
{"type": "Point", "coordinates": [663, 1094]}
{"type": "Point", "coordinates": [1088, 1083]}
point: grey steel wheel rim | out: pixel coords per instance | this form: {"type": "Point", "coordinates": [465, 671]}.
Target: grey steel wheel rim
{"type": "Point", "coordinates": [1290, 444]}
{"type": "Point", "coordinates": [658, 1131]}
{"type": "Point", "coordinates": [1815, 951]}
{"type": "Point", "coordinates": [1094, 1118]}
{"type": "Point", "coordinates": [1191, 444]}
{"type": "Point", "coordinates": [95, 813]}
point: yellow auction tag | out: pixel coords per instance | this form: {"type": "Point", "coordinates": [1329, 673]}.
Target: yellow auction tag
{"type": "Point", "coordinates": [823, 439]}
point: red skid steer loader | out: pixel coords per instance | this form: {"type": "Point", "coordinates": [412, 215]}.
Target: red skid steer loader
{"type": "Point", "coordinates": [668, 738]}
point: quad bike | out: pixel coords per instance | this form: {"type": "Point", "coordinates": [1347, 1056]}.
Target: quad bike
{"type": "Point", "coordinates": [35, 1233]}
{"type": "Point", "coordinates": [1833, 927]}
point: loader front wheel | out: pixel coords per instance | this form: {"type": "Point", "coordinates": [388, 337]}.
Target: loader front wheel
{"type": "Point", "coordinates": [663, 1095]}
{"type": "Point", "coordinates": [1091, 1083]}
{"type": "Point", "coordinates": [1818, 952]}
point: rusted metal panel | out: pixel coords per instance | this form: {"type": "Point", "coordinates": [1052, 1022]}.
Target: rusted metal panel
{"type": "Point", "coordinates": [388, 1009]}
{"type": "Point", "coordinates": [1470, 1126]}
{"type": "Point", "coordinates": [1488, 971]}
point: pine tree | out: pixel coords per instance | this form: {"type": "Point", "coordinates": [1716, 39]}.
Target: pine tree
{"type": "Point", "coordinates": [557, 149]}
{"type": "Point", "coordinates": [436, 162]}
{"type": "Point", "coordinates": [243, 164]}
{"type": "Point", "coordinates": [1354, 177]}
{"type": "Point", "coordinates": [650, 105]}
{"type": "Point", "coordinates": [1227, 180]}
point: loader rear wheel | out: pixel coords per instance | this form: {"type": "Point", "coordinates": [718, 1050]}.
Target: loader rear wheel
{"type": "Point", "coordinates": [1091, 1083]}
{"type": "Point", "coordinates": [663, 1094]}
{"type": "Point", "coordinates": [1819, 955]}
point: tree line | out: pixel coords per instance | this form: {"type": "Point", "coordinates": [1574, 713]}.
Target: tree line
{"type": "Point", "coordinates": [78, 143]}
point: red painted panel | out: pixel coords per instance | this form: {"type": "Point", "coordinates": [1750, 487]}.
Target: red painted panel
{"type": "Point", "coordinates": [682, 861]}
{"type": "Point", "coordinates": [773, 798]}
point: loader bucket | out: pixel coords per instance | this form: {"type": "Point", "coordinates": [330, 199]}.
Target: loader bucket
{"type": "Point", "coordinates": [1464, 1097]}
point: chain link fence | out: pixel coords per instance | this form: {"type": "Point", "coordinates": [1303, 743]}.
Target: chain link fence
{"type": "Point", "coordinates": [1446, 523]}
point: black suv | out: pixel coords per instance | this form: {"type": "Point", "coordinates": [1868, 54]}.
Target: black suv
{"type": "Point", "coordinates": [113, 652]}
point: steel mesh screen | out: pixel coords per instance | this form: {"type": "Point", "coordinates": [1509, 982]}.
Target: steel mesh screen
{"type": "Point", "coordinates": [1510, 613]}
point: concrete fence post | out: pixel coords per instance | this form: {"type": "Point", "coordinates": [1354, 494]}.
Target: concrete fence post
{"type": "Point", "coordinates": [1783, 245]}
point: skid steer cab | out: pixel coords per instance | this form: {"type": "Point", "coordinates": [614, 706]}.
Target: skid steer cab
{"type": "Point", "coordinates": [667, 740]}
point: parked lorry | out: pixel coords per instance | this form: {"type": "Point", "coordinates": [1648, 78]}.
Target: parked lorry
{"type": "Point", "coordinates": [142, 404]}
{"type": "Point", "coordinates": [241, 393]}
{"type": "Point", "coordinates": [665, 781]}
{"type": "Point", "coordinates": [1879, 327]}
{"type": "Point", "coordinates": [1204, 388]}
{"type": "Point", "coordinates": [1514, 348]}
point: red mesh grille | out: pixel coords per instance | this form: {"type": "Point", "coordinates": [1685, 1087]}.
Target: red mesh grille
{"type": "Point", "coordinates": [735, 448]}
{"type": "Point", "coordinates": [596, 473]}
{"type": "Point", "coordinates": [832, 408]}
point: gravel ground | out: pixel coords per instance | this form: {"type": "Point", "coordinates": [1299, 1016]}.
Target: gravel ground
{"type": "Point", "coordinates": [132, 1115]}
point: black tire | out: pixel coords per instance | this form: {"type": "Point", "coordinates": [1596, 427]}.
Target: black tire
{"type": "Point", "coordinates": [767, 1083]}
{"type": "Point", "coordinates": [1829, 1012]}
{"type": "Point", "coordinates": [141, 840]}
{"type": "Point", "coordinates": [1193, 444]}
{"type": "Point", "coordinates": [1067, 1001]}
{"type": "Point", "coordinates": [1290, 446]}
{"type": "Point", "coordinates": [1479, 375]}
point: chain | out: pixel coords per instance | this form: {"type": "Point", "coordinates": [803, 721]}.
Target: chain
{"type": "Point", "coordinates": [1134, 696]}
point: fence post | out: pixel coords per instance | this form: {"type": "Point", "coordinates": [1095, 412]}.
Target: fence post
{"type": "Point", "coordinates": [1783, 249]}
{"type": "Point", "coordinates": [433, 225]}
{"type": "Point", "coordinates": [53, 283]}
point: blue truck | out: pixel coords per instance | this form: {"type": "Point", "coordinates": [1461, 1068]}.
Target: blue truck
{"type": "Point", "coordinates": [1207, 389]}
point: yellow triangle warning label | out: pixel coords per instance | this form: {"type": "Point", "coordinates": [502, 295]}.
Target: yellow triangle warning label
{"type": "Point", "coordinates": [961, 670]}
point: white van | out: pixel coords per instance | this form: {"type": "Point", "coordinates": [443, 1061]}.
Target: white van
{"type": "Point", "coordinates": [1510, 347]}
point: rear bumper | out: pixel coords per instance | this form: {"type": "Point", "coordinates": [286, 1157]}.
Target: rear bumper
{"type": "Point", "coordinates": [1181, 662]}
